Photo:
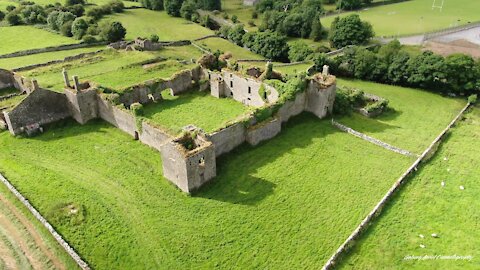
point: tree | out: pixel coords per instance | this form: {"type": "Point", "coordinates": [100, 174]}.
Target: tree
{"type": "Point", "coordinates": [212, 4]}
{"type": "Point", "coordinates": [349, 4]}
{"type": "Point", "coordinates": [154, 38]}
{"type": "Point", "coordinates": [74, 2]}
{"type": "Point", "coordinates": [52, 20]}
{"type": "Point", "coordinates": [268, 44]}
{"type": "Point", "coordinates": [63, 18]}
{"type": "Point", "coordinates": [66, 29]}
{"type": "Point", "coordinates": [317, 29]}
{"type": "Point", "coordinates": [397, 70]}
{"type": "Point", "coordinates": [350, 30]}
{"type": "Point", "coordinates": [299, 51]}
{"type": "Point", "coordinates": [427, 71]}
{"type": "Point", "coordinates": [292, 25]}
{"type": "Point", "coordinates": [2, 15]}
{"type": "Point", "coordinates": [235, 34]}
{"type": "Point", "coordinates": [153, 4]}
{"type": "Point", "coordinates": [13, 18]}
{"type": "Point", "coordinates": [79, 28]}
{"type": "Point", "coordinates": [112, 32]}
{"type": "Point", "coordinates": [188, 8]}
{"type": "Point", "coordinates": [173, 7]}
{"type": "Point", "coordinates": [461, 73]}
{"type": "Point", "coordinates": [33, 14]}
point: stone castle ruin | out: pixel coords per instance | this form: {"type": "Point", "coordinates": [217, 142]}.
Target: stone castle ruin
{"type": "Point", "coordinates": [189, 160]}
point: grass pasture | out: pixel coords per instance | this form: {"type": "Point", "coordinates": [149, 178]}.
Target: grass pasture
{"type": "Point", "coordinates": [198, 108]}
{"type": "Point", "coordinates": [144, 22]}
{"type": "Point", "coordinates": [286, 203]}
{"type": "Point", "coordinates": [223, 45]}
{"type": "Point", "coordinates": [416, 119]}
{"type": "Point", "coordinates": [425, 207]}
{"type": "Point", "coordinates": [416, 16]}
{"type": "Point", "coordinates": [19, 38]}
{"type": "Point", "coordinates": [111, 69]}
{"type": "Point", "coordinates": [22, 61]}
{"type": "Point", "coordinates": [244, 13]}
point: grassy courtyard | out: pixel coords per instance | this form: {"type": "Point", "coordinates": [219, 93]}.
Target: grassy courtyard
{"type": "Point", "coordinates": [144, 22]}
{"type": "Point", "coordinates": [30, 38]}
{"type": "Point", "coordinates": [416, 118]}
{"type": "Point", "coordinates": [287, 203]}
{"type": "Point", "coordinates": [425, 207]}
{"type": "Point", "coordinates": [416, 16]}
{"type": "Point", "coordinates": [197, 108]}
{"type": "Point", "coordinates": [112, 69]}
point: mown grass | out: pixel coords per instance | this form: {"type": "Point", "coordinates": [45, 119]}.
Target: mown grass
{"type": "Point", "coordinates": [425, 207]}
{"type": "Point", "coordinates": [223, 45]}
{"type": "Point", "coordinates": [19, 38]}
{"type": "Point", "coordinates": [197, 108]}
{"type": "Point", "coordinates": [294, 69]}
{"type": "Point", "coordinates": [27, 238]}
{"type": "Point", "coordinates": [22, 61]}
{"type": "Point", "coordinates": [144, 22]}
{"type": "Point", "coordinates": [110, 69]}
{"type": "Point", "coordinates": [244, 13]}
{"type": "Point", "coordinates": [288, 203]}
{"type": "Point", "coordinates": [415, 119]}
{"type": "Point", "coordinates": [417, 16]}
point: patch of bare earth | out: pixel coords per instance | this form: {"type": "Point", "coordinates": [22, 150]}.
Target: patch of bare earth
{"type": "Point", "coordinates": [27, 240]}
{"type": "Point", "coordinates": [457, 46]}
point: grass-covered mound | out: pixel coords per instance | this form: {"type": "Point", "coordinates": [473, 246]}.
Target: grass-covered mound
{"type": "Point", "coordinates": [425, 207]}
{"type": "Point", "coordinates": [289, 202]}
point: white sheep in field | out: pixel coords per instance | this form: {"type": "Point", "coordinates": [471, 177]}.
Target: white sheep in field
{"type": "Point", "coordinates": [462, 188]}
{"type": "Point", "coordinates": [443, 183]}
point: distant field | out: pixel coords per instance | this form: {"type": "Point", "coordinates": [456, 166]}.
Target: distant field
{"type": "Point", "coordinates": [291, 201]}
{"type": "Point", "coordinates": [144, 22]}
{"type": "Point", "coordinates": [197, 108]}
{"type": "Point", "coordinates": [244, 13]}
{"type": "Point", "coordinates": [425, 207]}
{"type": "Point", "coordinates": [224, 45]}
{"type": "Point", "coordinates": [293, 69]}
{"type": "Point", "coordinates": [19, 38]}
{"type": "Point", "coordinates": [16, 62]}
{"type": "Point", "coordinates": [416, 16]}
{"type": "Point", "coordinates": [46, 2]}
{"type": "Point", "coordinates": [111, 69]}
{"type": "Point", "coordinates": [417, 117]}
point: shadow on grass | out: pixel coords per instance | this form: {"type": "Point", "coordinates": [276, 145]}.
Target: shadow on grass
{"type": "Point", "coordinates": [364, 124]}
{"type": "Point", "coordinates": [68, 128]}
{"type": "Point", "coordinates": [236, 180]}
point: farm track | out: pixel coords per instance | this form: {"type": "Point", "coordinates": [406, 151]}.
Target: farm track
{"type": "Point", "coordinates": [22, 246]}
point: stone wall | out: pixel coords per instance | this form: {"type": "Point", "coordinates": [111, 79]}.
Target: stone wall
{"type": "Point", "coordinates": [140, 93]}
{"type": "Point", "coordinates": [292, 107]}
{"type": "Point", "coordinates": [83, 105]}
{"type": "Point", "coordinates": [153, 136]}
{"type": "Point", "coordinates": [49, 49]}
{"type": "Point", "coordinates": [228, 138]}
{"type": "Point", "coordinates": [117, 117]}
{"type": "Point", "coordinates": [319, 99]}
{"type": "Point", "coordinates": [66, 59]}
{"type": "Point", "coordinates": [6, 79]}
{"type": "Point", "coordinates": [241, 88]}
{"type": "Point", "coordinates": [263, 131]}
{"type": "Point", "coordinates": [39, 107]}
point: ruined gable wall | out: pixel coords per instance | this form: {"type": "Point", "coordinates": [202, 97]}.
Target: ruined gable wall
{"type": "Point", "coordinates": [39, 107]}
{"type": "Point", "coordinates": [83, 105]}
{"type": "Point", "coordinates": [174, 166]}
{"type": "Point", "coordinates": [320, 101]}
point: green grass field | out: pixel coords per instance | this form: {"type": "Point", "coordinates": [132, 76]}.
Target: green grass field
{"type": "Point", "coordinates": [19, 38]}
{"type": "Point", "coordinates": [425, 207]}
{"type": "Point", "coordinates": [288, 203]}
{"type": "Point", "coordinates": [112, 69]}
{"type": "Point", "coordinates": [416, 119]}
{"type": "Point", "coordinates": [293, 69]}
{"type": "Point", "coordinates": [144, 22]}
{"type": "Point", "coordinates": [198, 108]}
{"type": "Point", "coordinates": [244, 13]}
{"type": "Point", "coordinates": [16, 62]}
{"type": "Point", "coordinates": [214, 44]}
{"type": "Point", "coordinates": [10, 102]}
{"type": "Point", "coordinates": [416, 16]}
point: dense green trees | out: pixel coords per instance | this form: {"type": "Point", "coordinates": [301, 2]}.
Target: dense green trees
{"type": "Point", "coordinates": [350, 30]}
{"type": "Point", "coordinates": [457, 73]}
{"type": "Point", "coordinates": [299, 51]}
{"type": "Point", "coordinates": [172, 7]}
{"type": "Point", "coordinates": [112, 32]}
{"type": "Point", "coordinates": [79, 28]}
{"type": "Point", "coordinates": [268, 44]}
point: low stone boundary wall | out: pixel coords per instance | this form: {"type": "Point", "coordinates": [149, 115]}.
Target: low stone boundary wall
{"type": "Point", "coordinates": [81, 263]}
{"type": "Point", "coordinates": [51, 49]}
{"type": "Point", "coordinates": [205, 37]}
{"type": "Point", "coordinates": [228, 138]}
{"type": "Point", "coordinates": [66, 59]}
{"type": "Point", "coordinates": [10, 96]}
{"type": "Point", "coordinates": [372, 140]}
{"type": "Point", "coordinates": [264, 131]}
{"type": "Point", "coordinates": [451, 30]}
{"type": "Point", "coordinates": [429, 152]}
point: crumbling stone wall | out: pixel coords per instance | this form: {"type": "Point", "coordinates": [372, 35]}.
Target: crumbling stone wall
{"type": "Point", "coordinates": [319, 99]}
{"type": "Point", "coordinates": [263, 131]}
{"type": "Point", "coordinates": [39, 107]}
{"type": "Point", "coordinates": [292, 107]}
{"type": "Point", "coordinates": [153, 136]}
{"type": "Point", "coordinates": [245, 90]}
{"type": "Point", "coordinates": [117, 117]}
{"type": "Point", "coordinates": [228, 138]}
{"type": "Point", "coordinates": [6, 79]}
{"type": "Point", "coordinates": [83, 104]}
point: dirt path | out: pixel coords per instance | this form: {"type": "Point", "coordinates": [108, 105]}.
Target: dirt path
{"type": "Point", "coordinates": [29, 231]}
